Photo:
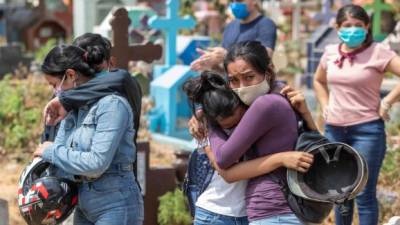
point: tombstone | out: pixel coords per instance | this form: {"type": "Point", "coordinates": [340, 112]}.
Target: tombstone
{"type": "Point", "coordinates": [122, 50]}
{"type": "Point", "coordinates": [4, 218]}
{"type": "Point", "coordinates": [171, 104]}
{"type": "Point", "coordinates": [378, 7]}
{"type": "Point", "coordinates": [320, 38]}
{"type": "Point", "coordinates": [10, 58]}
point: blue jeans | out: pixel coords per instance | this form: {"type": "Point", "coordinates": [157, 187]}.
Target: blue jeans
{"type": "Point", "coordinates": [109, 204]}
{"type": "Point", "coordinates": [369, 139]}
{"type": "Point", "coordinates": [285, 219]}
{"type": "Point", "coordinates": [205, 217]}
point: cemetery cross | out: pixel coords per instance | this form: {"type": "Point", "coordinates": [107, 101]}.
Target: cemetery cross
{"type": "Point", "coordinates": [122, 50]}
{"type": "Point", "coordinates": [171, 24]}
{"type": "Point", "coordinates": [378, 7]}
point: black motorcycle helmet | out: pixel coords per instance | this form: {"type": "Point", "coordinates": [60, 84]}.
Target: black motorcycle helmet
{"type": "Point", "coordinates": [43, 198]}
{"type": "Point", "coordinates": [338, 174]}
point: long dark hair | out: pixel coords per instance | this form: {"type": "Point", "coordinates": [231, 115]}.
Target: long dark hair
{"type": "Point", "coordinates": [255, 54]}
{"type": "Point", "coordinates": [213, 94]}
{"type": "Point", "coordinates": [357, 12]}
{"type": "Point", "coordinates": [64, 57]}
{"type": "Point", "coordinates": [98, 48]}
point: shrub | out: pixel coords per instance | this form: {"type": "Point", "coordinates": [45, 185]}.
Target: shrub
{"type": "Point", "coordinates": [173, 209]}
{"type": "Point", "coordinates": [21, 104]}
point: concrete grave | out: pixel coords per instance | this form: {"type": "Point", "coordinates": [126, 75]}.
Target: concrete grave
{"type": "Point", "coordinates": [171, 104]}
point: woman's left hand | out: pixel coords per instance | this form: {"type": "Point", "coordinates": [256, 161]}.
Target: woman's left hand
{"type": "Point", "coordinates": [296, 99]}
{"type": "Point", "coordinates": [384, 109]}
{"type": "Point", "coordinates": [40, 149]}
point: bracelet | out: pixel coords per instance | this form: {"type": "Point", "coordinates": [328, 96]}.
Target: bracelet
{"type": "Point", "coordinates": [385, 105]}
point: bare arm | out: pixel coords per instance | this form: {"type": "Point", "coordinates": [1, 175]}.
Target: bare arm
{"type": "Point", "coordinates": [394, 95]}
{"type": "Point", "coordinates": [393, 67]}
{"type": "Point", "coordinates": [296, 160]}
{"type": "Point", "coordinates": [321, 87]}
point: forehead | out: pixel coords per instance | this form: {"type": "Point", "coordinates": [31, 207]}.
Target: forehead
{"type": "Point", "coordinates": [239, 66]}
{"type": "Point", "coordinates": [352, 20]}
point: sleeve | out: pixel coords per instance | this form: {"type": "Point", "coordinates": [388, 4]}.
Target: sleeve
{"type": "Point", "coordinates": [95, 89]}
{"type": "Point", "coordinates": [324, 59]}
{"type": "Point", "coordinates": [383, 57]}
{"type": "Point", "coordinates": [267, 33]}
{"type": "Point", "coordinates": [105, 142]}
{"type": "Point", "coordinates": [248, 131]}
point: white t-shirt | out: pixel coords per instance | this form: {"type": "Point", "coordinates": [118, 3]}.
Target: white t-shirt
{"type": "Point", "coordinates": [223, 198]}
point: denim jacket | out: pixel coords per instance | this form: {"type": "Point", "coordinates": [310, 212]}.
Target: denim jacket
{"type": "Point", "coordinates": [106, 83]}
{"type": "Point", "coordinates": [96, 139]}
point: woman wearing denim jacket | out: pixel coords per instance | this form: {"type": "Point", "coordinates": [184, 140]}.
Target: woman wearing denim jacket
{"type": "Point", "coordinates": [95, 143]}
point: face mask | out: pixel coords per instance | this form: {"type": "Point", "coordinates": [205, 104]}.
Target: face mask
{"type": "Point", "coordinates": [239, 10]}
{"type": "Point", "coordinates": [353, 37]}
{"type": "Point", "coordinates": [59, 89]}
{"type": "Point", "coordinates": [250, 93]}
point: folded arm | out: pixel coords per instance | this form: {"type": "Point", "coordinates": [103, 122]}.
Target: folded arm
{"type": "Point", "coordinates": [112, 120]}
{"type": "Point", "coordinates": [266, 110]}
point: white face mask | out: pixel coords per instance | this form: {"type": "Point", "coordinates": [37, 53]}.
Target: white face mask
{"type": "Point", "coordinates": [250, 93]}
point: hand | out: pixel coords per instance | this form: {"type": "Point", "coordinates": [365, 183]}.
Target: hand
{"type": "Point", "coordinates": [209, 59]}
{"type": "Point", "coordinates": [296, 99]}
{"type": "Point", "coordinates": [40, 149]}
{"type": "Point", "coordinates": [54, 112]}
{"type": "Point", "coordinates": [197, 126]}
{"type": "Point", "coordinates": [211, 157]}
{"type": "Point", "coordinates": [295, 160]}
{"type": "Point", "coordinates": [384, 109]}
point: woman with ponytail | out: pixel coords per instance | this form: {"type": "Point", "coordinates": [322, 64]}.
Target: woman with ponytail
{"type": "Point", "coordinates": [94, 143]}
{"type": "Point", "coordinates": [347, 84]}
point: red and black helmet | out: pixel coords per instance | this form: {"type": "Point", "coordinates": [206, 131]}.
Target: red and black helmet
{"type": "Point", "coordinates": [44, 198]}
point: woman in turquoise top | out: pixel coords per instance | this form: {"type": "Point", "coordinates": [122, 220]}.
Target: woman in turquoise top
{"type": "Point", "coordinates": [94, 143]}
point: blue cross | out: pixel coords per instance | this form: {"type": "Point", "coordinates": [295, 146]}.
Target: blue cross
{"type": "Point", "coordinates": [171, 24]}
